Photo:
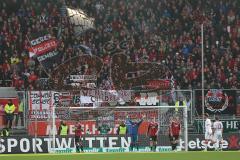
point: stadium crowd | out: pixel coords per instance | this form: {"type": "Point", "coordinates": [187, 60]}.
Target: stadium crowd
{"type": "Point", "coordinates": [168, 32]}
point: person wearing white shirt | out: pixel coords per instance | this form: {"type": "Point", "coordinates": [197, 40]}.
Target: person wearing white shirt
{"type": "Point", "coordinates": [208, 130]}
{"type": "Point", "coordinates": [217, 134]}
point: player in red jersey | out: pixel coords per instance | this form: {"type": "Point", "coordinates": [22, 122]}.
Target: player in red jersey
{"type": "Point", "coordinates": [174, 132]}
{"type": "Point", "coordinates": [152, 134]}
{"type": "Point", "coordinates": [78, 136]}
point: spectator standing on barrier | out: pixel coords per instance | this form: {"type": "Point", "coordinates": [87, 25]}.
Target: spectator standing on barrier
{"type": "Point", "coordinates": [20, 114]}
{"type": "Point", "coordinates": [103, 129]}
{"type": "Point", "coordinates": [4, 132]}
{"type": "Point", "coordinates": [122, 129]}
{"type": "Point", "coordinates": [132, 128]}
{"type": "Point", "coordinates": [180, 102]}
{"type": "Point", "coordinates": [63, 129]}
{"type": "Point", "coordinates": [78, 137]}
{"type": "Point", "coordinates": [9, 112]}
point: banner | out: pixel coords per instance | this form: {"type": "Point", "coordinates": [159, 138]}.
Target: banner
{"type": "Point", "coordinates": [108, 143]}
{"type": "Point", "coordinates": [238, 103]}
{"type": "Point", "coordinates": [44, 128]}
{"type": "Point", "coordinates": [79, 78]}
{"type": "Point", "coordinates": [229, 125]}
{"type": "Point", "coordinates": [161, 84]}
{"type": "Point", "coordinates": [43, 46]}
{"type": "Point", "coordinates": [217, 101]}
{"type": "Point", "coordinates": [40, 100]}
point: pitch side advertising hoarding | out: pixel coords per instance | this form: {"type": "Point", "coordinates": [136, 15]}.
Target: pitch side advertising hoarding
{"type": "Point", "coordinates": [108, 143]}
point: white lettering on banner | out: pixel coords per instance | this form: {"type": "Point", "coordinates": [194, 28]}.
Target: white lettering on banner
{"type": "Point", "coordinates": [2, 147]}
{"type": "Point", "coordinates": [47, 55]}
{"type": "Point", "coordinates": [192, 144]}
{"type": "Point", "coordinates": [37, 142]}
{"type": "Point", "coordinates": [197, 144]}
{"type": "Point", "coordinates": [49, 130]}
{"type": "Point", "coordinates": [24, 145]}
{"type": "Point", "coordinates": [111, 142]}
{"type": "Point", "coordinates": [90, 96]}
{"type": "Point", "coordinates": [228, 124]}
{"type": "Point", "coordinates": [49, 141]}
{"type": "Point", "coordinates": [231, 124]}
{"type": "Point", "coordinates": [90, 141]}
{"type": "Point", "coordinates": [40, 99]}
{"type": "Point", "coordinates": [124, 142]}
{"type": "Point", "coordinates": [24, 142]}
{"type": "Point", "coordinates": [150, 98]}
{"type": "Point", "coordinates": [40, 39]}
{"type": "Point", "coordinates": [92, 128]}
{"type": "Point", "coordinates": [44, 47]}
{"type": "Point", "coordinates": [11, 144]}
{"type": "Point", "coordinates": [79, 78]}
{"type": "Point", "coordinates": [71, 129]}
{"type": "Point", "coordinates": [101, 139]}
{"type": "Point", "coordinates": [64, 143]}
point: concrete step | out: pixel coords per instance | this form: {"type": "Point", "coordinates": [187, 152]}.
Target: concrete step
{"type": "Point", "coordinates": [18, 132]}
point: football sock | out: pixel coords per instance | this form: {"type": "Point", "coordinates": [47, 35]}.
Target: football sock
{"type": "Point", "coordinates": [155, 147]}
{"type": "Point", "coordinates": [216, 146]}
{"type": "Point", "coordinates": [220, 145]}
{"type": "Point", "coordinates": [77, 149]}
{"type": "Point", "coordinates": [172, 146]}
{"type": "Point", "coordinates": [206, 144]}
{"type": "Point", "coordinates": [131, 147]}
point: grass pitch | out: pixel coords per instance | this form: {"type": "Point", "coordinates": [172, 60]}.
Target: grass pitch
{"type": "Point", "coordinates": [225, 155]}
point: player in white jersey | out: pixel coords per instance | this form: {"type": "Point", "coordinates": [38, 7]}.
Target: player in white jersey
{"type": "Point", "coordinates": [217, 134]}
{"type": "Point", "coordinates": [208, 131]}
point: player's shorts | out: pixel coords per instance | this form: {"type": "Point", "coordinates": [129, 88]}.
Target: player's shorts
{"type": "Point", "coordinates": [174, 137]}
{"type": "Point", "coordinates": [208, 135]}
{"type": "Point", "coordinates": [217, 136]}
{"type": "Point", "coordinates": [78, 139]}
{"type": "Point", "coordinates": [153, 138]}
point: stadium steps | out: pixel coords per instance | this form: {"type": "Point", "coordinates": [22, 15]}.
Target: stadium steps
{"type": "Point", "coordinates": [192, 129]}
{"type": "Point", "coordinates": [18, 132]}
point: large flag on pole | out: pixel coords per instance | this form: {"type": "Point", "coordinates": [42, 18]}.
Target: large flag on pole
{"type": "Point", "coordinates": [44, 47]}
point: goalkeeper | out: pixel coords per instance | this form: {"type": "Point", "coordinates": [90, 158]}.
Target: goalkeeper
{"type": "Point", "coordinates": [132, 127]}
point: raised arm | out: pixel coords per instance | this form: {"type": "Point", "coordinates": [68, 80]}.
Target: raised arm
{"type": "Point", "coordinates": [129, 120]}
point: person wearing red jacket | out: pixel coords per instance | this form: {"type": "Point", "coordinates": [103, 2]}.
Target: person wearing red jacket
{"type": "Point", "coordinates": [152, 134]}
{"type": "Point", "coordinates": [78, 137]}
{"type": "Point", "coordinates": [174, 132]}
